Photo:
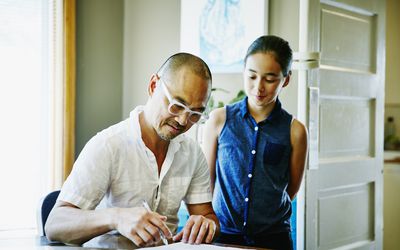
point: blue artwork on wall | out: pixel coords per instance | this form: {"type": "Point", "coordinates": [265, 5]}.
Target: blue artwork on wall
{"type": "Point", "coordinates": [219, 31]}
{"type": "Point", "coordinates": [217, 18]}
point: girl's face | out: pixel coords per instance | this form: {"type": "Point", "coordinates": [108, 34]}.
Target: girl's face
{"type": "Point", "coordinates": [263, 79]}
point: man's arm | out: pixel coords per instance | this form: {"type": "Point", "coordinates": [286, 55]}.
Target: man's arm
{"type": "Point", "coordinates": [70, 224]}
{"type": "Point", "coordinates": [202, 226]}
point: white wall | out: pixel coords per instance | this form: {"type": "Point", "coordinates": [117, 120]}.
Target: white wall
{"type": "Point", "coordinates": [392, 85]}
{"type": "Point", "coordinates": [99, 67]}
{"type": "Point", "coordinates": [151, 34]}
{"type": "Point", "coordinates": [121, 43]}
{"type": "Point", "coordinates": [284, 22]}
{"type": "Point", "coordinates": [393, 52]}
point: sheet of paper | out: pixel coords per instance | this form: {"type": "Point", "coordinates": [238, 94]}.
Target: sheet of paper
{"type": "Point", "coordinates": [180, 245]}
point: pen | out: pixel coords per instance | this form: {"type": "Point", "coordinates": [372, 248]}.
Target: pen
{"type": "Point", "coordinates": [163, 238]}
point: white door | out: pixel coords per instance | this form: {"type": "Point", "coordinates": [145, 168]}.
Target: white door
{"type": "Point", "coordinates": [344, 181]}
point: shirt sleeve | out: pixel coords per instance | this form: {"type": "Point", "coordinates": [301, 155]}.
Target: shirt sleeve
{"type": "Point", "coordinates": [90, 177]}
{"type": "Point", "coordinates": [199, 190]}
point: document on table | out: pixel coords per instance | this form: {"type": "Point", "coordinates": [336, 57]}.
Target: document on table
{"type": "Point", "coordinates": [180, 245]}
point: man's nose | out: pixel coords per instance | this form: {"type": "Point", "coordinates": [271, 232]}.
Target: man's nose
{"type": "Point", "coordinates": [183, 118]}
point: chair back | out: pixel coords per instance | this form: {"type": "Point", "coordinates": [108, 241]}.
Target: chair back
{"type": "Point", "coordinates": [45, 207]}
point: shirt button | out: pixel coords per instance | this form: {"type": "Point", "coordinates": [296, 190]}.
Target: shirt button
{"type": "Point", "coordinates": [250, 175]}
{"type": "Point", "coordinates": [256, 128]}
{"type": "Point", "coordinates": [253, 152]}
{"type": "Point", "coordinates": [246, 199]}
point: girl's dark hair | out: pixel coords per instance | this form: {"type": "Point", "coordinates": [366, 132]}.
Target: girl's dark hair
{"type": "Point", "coordinates": [277, 46]}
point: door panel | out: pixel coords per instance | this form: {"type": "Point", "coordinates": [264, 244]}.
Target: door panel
{"type": "Point", "coordinates": [344, 181]}
{"type": "Point", "coordinates": [345, 127]}
{"type": "Point", "coordinates": [341, 83]}
{"type": "Point", "coordinates": [341, 34]}
{"type": "Point", "coordinates": [345, 172]}
{"type": "Point", "coordinates": [347, 205]}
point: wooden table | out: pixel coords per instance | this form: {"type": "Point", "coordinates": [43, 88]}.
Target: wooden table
{"type": "Point", "coordinates": [107, 241]}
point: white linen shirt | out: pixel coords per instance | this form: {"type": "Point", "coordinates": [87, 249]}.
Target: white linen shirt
{"type": "Point", "coordinates": [117, 165]}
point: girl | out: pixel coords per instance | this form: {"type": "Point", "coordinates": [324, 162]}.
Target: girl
{"type": "Point", "coordinates": [257, 152]}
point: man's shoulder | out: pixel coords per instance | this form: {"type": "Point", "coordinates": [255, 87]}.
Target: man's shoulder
{"type": "Point", "coordinates": [187, 145]}
{"type": "Point", "coordinates": [186, 141]}
{"type": "Point", "coordinates": [115, 132]}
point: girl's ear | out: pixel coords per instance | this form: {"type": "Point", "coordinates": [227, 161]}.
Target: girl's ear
{"type": "Point", "coordinates": [287, 80]}
{"type": "Point", "coordinates": [152, 84]}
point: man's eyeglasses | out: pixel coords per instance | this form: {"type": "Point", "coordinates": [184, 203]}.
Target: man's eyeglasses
{"type": "Point", "coordinates": [177, 108]}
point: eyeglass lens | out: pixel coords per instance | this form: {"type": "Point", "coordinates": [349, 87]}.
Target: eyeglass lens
{"type": "Point", "coordinates": [177, 109]}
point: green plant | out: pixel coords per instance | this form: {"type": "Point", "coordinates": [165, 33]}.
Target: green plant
{"type": "Point", "coordinates": [212, 103]}
{"type": "Point", "coordinates": [392, 142]}
{"type": "Point", "coordinates": [240, 95]}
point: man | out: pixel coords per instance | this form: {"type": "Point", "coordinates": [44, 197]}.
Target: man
{"type": "Point", "coordinates": [145, 157]}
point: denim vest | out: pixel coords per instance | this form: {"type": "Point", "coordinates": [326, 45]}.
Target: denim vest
{"type": "Point", "coordinates": [252, 172]}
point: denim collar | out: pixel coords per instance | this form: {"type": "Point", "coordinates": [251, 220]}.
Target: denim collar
{"type": "Point", "coordinates": [275, 114]}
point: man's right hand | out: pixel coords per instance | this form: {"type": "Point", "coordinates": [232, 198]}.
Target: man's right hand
{"type": "Point", "coordinates": [141, 226]}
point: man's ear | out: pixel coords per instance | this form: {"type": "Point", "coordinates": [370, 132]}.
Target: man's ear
{"type": "Point", "coordinates": [287, 79]}
{"type": "Point", "coordinates": [152, 84]}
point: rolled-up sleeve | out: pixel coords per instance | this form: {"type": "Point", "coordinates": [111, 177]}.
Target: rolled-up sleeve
{"type": "Point", "coordinates": [199, 190]}
{"type": "Point", "coordinates": [90, 177]}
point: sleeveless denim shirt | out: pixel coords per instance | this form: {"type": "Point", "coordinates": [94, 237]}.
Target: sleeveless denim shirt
{"type": "Point", "coordinates": [252, 172]}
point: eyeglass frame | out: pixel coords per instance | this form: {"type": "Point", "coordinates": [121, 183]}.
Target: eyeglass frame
{"type": "Point", "coordinates": [172, 101]}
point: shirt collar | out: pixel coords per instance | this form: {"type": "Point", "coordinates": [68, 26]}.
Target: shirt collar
{"type": "Point", "coordinates": [276, 112]}
{"type": "Point", "coordinates": [244, 110]}
{"type": "Point", "coordinates": [243, 107]}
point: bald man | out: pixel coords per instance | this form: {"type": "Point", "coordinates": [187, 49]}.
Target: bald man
{"type": "Point", "coordinates": [145, 157]}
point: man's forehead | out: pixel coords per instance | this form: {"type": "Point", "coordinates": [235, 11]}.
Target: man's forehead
{"type": "Point", "coordinates": [185, 77]}
{"type": "Point", "coordinates": [190, 89]}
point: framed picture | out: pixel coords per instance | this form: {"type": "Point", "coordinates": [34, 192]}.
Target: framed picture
{"type": "Point", "coordinates": [220, 31]}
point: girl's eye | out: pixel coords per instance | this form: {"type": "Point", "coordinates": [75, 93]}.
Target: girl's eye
{"type": "Point", "coordinates": [270, 80]}
{"type": "Point", "coordinates": [252, 77]}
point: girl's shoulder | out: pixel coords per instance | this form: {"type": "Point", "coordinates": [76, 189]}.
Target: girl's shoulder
{"type": "Point", "coordinates": [218, 116]}
{"type": "Point", "coordinates": [298, 131]}
{"type": "Point", "coordinates": [215, 122]}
